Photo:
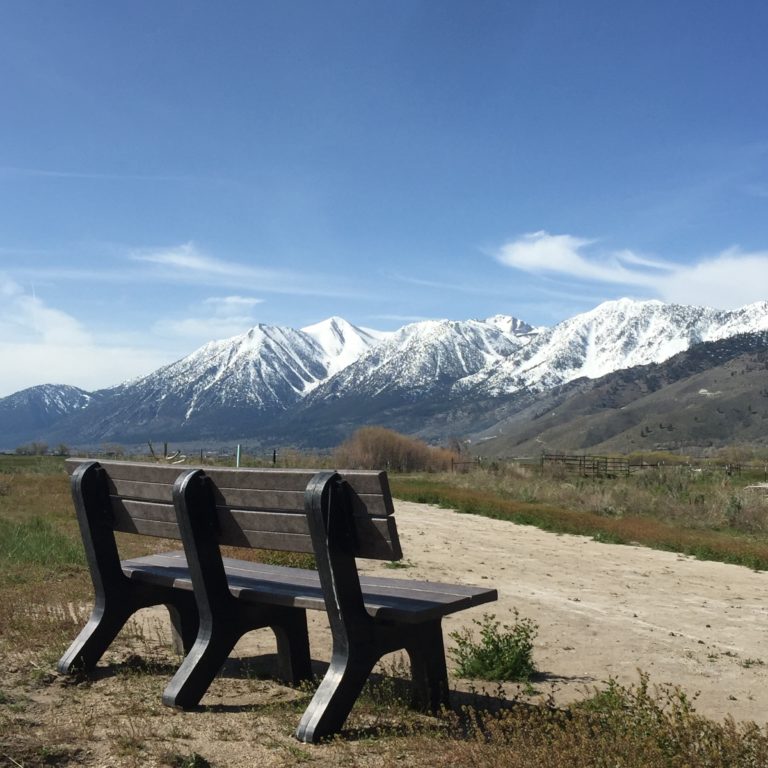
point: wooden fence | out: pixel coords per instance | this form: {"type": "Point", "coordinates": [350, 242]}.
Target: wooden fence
{"type": "Point", "coordinates": [587, 466]}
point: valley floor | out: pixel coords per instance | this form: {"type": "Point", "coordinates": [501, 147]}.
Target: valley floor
{"type": "Point", "coordinates": [607, 610]}
{"type": "Point", "coordinates": [603, 611]}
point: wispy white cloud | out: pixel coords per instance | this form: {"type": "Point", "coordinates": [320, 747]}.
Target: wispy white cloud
{"type": "Point", "coordinates": [188, 263]}
{"type": "Point", "coordinates": [188, 257]}
{"type": "Point", "coordinates": [540, 252]}
{"type": "Point", "coordinates": [42, 344]}
{"type": "Point", "coordinates": [226, 304]}
{"type": "Point", "coordinates": [24, 316]}
{"type": "Point", "coordinates": [728, 280]}
{"type": "Point", "coordinates": [222, 317]}
{"type": "Point", "coordinates": [459, 287]}
{"type": "Point", "coordinates": [49, 173]}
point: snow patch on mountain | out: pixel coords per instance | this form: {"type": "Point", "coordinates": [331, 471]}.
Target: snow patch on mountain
{"type": "Point", "coordinates": [342, 343]}
{"type": "Point", "coordinates": [422, 357]}
{"type": "Point", "coordinates": [615, 335]}
{"type": "Point", "coordinates": [512, 326]}
{"type": "Point", "coordinates": [239, 385]}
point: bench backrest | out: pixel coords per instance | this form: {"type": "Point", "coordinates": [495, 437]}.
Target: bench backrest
{"type": "Point", "coordinates": [258, 508]}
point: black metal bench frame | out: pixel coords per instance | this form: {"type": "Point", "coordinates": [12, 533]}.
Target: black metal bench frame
{"type": "Point", "coordinates": [369, 617]}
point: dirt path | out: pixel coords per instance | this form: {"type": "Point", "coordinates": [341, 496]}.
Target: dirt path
{"type": "Point", "coordinates": [607, 610]}
{"type": "Point", "coordinates": [603, 610]}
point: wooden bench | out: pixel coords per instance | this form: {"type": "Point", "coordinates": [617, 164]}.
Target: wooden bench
{"type": "Point", "coordinates": [338, 517]}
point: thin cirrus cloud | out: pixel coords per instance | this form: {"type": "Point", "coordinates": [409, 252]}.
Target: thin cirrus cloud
{"type": "Point", "coordinates": [186, 262]}
{"type": "Point", "coordinates": [728, 280]}
{"type": "Point", "coordinates": [223, 316]}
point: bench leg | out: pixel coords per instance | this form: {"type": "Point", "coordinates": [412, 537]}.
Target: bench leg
{"type": "Point", "coordinates": [109, 616]}
{"type": "Point", "coordinates": [184, 625]}
{"type": "Point", "coordinates": [428, 670]}
{"type": "Point", "coordinates": [106, 620]}
{"type": "Point", "coordinates": [294, 663]}
{"type": "Point", "coordinates": [218, 637]}
{"type": "Point", "coordinates": [335, 697]}
{"type": "Point", "coordinates": [199, 667]}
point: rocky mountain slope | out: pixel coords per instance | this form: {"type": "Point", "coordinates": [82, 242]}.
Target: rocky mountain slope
{"type": "Point", "coordinates": [33, 412]}
{"type": "Point", "coordinates": [313, 386]}
{"type": "Point", "coordinates": [711, 395]}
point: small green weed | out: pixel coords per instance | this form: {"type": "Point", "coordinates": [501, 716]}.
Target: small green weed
{"type": "Point", "coordinates": [504, 652]}
{"type": "Point", "coordinates": [193, 760]}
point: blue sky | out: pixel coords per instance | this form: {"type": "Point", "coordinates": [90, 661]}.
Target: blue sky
{"type": "Point", "coordinates": [176, 172]}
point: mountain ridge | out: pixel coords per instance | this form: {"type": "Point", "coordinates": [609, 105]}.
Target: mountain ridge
{"type": "Point", "coordinates": [314, 385]}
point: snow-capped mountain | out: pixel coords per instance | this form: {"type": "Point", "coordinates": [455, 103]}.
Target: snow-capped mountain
{"type": "Point", "coordinates": [318, 382]}
{"type": "Point", "coordinates": [421, 358]}
{"type": "Point", "coordinates": [226, 386]}
{"type": "Point", "coordinates": [613, 336]}
{"type": "Point", "coordinates": [29, 414]}
{"type": "Point", "coordinates": [342, 343]}
{"type": "Point", "coordinates": [512, 326]}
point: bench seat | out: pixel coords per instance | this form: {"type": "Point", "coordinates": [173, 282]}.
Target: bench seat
{"type": "Point", "coordinates": [385, 599]}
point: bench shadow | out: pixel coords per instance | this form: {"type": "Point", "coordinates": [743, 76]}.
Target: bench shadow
{"type": "Point", "coordinates": [132, 664]}
{"type": "Point", "coordinates": [487, 697]}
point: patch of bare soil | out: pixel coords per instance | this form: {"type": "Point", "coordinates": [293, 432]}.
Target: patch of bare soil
{"type": "Point", "coordinates": [603, 611]}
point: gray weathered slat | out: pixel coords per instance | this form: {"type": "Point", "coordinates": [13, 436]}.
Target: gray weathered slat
{"type": "Point", "coordinates": [239, 497]}
{"type": "Point", "coordinates": [364, 482]}
{"type": "Point", "coordinates": [134, 470]}
{"type": "Point", "coordinates": [140, 489]}
{"type": "Point", "coordinates": [127, 523]}
{"type": "Point", "coordinates": [376, 538]}
{"type": "Point", "coordinates": [143, 510]}
{"type": "Point", "coordinates": [399, 599]}
{"type": "Point", "coordinates": [247, 498]}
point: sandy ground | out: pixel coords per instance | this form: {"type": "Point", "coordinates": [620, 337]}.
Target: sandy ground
{"type": "Point", "coordinates": [603, 610]}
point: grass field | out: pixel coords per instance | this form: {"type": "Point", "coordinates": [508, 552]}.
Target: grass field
{"type": "Point", "coordinates": [708, 515]}
{"type": "Point", "coordinates": [115, 717]}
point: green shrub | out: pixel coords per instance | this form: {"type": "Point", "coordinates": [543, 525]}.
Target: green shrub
{"type": "Point", "coordinates": [503, 652]}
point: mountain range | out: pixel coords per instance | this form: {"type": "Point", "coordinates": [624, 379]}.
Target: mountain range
{"type": "Point", "coordinates": [487, 380]}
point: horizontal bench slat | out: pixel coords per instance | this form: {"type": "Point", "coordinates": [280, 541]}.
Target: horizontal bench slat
{"type": "Point", "coordinates": [278, 501]}
{"type": "Point", "coordinates": [364, 482]}
{"type": "Point", "coordinates": [376, 538]}
{"type": "Point", "coordinates": [398, 599]}
{"type": "Point", "coordinates": [125, 522]}
{"type": "Point", "coordinates": [245, 498]}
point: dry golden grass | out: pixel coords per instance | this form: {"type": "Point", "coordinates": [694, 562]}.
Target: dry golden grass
{"type": "Point", "coordinates": [710, 518]}
{"type": "Point", "coordinates": [115, 717]}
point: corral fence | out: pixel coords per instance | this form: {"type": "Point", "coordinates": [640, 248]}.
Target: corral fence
{"type": "Point", "coordinates": [587, 466]}
{"type": "Point", "coordinates": [615, 466]}
{"type": "Point", "coordinates": [466, 465]}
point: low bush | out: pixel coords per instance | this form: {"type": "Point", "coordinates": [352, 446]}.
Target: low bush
{"type": "Point", "coordinates": [379, 448]}
{"type": "Point", "coordinates": [503, 652]}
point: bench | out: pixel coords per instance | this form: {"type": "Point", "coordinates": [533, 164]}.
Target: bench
{"type": "Point", "coordinates": [337, 517]}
